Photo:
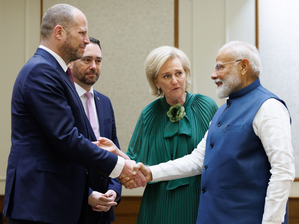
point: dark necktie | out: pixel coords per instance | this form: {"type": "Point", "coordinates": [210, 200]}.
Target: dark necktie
{"type": "Point", "coordinates": [70, 75]}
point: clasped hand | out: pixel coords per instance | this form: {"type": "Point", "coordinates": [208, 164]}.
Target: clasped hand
{"type": "Point", "coordinates": [102, 202]}
{"type": "Point", "coordinates": [133, 175]}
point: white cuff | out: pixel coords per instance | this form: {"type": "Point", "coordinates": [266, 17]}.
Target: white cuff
{"type": "Point", "coordinates": [156, 170]}
{"type": "Point", "coordinates": [118, 167]}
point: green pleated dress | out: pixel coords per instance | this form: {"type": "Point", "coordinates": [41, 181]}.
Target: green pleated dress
{"type": "Point", "coordinates": [156, 140]}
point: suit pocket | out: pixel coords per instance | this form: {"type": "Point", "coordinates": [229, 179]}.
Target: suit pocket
{"type": "Point", "coordinates": [56, 168]}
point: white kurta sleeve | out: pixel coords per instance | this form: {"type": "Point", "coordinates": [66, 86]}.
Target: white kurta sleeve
{"type": "Point", "coordinates": [272, 125]}
{"type": "Point", "coordinates": [189, 165]}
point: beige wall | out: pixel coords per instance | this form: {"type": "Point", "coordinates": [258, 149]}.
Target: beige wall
{"type": "Point", "coordinates": [204, 26]}
{"type": "Point", "coordinates": [19, 29]}
{"type": "Point", "coordinates": [279, 41]}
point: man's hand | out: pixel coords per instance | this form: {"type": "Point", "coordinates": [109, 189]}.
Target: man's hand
{"type": "Point", "coordinates": [146, 171]}
{"type": "Point", "coordinates": [102, 202]}
{"type": "Point", "coordinates": [141, 169]}
{"type": "Point", "coordinates": [108, 145]}
{"type": "Point", "coordinates": [131, 171]}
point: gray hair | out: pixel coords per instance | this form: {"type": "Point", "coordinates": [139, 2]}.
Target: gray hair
{"type": "Point", "coordinates": [60, 14]}
{"type": "Point", "coordinates": [243, 50]}
{"type": "Point", "coordinates": [157, 58]}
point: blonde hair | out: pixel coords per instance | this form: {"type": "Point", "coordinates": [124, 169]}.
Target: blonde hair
{"type": "Point", "coordinates": [157, 58]}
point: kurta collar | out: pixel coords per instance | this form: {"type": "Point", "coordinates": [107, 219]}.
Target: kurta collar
{"type": "Point", "coordinates": [245, 90]}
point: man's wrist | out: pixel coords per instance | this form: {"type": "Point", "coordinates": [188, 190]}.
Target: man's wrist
{"type": "Point", "coordinates": [118, 167]}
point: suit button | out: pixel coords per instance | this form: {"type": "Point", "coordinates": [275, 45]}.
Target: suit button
{"type": "Point", "coordinates": [203, 190]}
{"type": "Point", "coordinates": [206, 167]}
{"type": "Point", "coordinates": [219, 124]}
{"type": "Point", "coordinates": [211, 145]}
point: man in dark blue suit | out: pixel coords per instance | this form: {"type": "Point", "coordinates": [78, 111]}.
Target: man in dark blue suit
{"type": "Point", "coordinates": [51, 151]}
{"type": "Point", "coordinates": [103, 192]}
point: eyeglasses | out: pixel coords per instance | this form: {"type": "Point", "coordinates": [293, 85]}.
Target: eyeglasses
{"type": "Point", "coordinates": [219, 66]}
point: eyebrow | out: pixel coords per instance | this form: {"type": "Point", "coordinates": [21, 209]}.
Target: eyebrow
{"type": "Point", "coordinates": [176, 70]}
{"type": "Point", "coordinates": [91, 57]}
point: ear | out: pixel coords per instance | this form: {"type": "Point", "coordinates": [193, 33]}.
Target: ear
{"type": "Point", "coordinates": [59, 32]}
{"type": "Point", "coordinates": [244, 66]}
{"type": "Point", "coordinates": [156, 83]}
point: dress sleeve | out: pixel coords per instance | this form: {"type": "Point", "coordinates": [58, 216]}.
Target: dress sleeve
{"type": "Point", "coordinates": [135, 145]}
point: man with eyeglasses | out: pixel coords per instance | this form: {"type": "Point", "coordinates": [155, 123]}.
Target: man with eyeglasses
{"type": "Point", "coordinates": [246, 157]}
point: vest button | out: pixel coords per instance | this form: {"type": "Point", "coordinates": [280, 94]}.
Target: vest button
{"type": "Point", "coordinates": [206, 167]}
{"type": "Point", "coordinates": [203, 190]}
{"type": "Point", "coordinates": [211, 145]}
{"type": "Point", "coordinates": [219, 124]}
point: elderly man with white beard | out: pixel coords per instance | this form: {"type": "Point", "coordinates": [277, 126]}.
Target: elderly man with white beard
{"type": "Point", "coordinates": [246, 157]}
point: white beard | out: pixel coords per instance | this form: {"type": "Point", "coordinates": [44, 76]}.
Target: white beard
{"type": "Point", "coordinates": [229, 84]}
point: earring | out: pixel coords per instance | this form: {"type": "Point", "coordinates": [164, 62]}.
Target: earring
{"type": "Point", "coordinates": [158, 92]}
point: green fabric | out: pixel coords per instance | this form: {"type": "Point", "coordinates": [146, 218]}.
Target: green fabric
{"type": "Point", "coordinates": [155, 140]}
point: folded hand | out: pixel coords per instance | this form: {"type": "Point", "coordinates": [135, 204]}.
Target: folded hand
{"type": "Point", "coordinates": [102, 202]}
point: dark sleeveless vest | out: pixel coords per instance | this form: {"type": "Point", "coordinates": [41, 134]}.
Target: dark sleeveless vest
{"type": "Point", "coordinates": [236, 170]}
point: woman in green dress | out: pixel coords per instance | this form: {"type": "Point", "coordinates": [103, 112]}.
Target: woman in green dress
{"type": "Point", "coordinates": [167, 129]}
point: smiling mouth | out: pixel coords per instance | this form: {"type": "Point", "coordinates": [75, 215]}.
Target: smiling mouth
{"type": "Point", "coordinates": [218, 82]}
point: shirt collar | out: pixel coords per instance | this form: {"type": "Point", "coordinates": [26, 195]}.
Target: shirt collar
{"type": "Point", "coordinates": [82, 91]}
{"type": "Point", "coordinates": [56, 56]}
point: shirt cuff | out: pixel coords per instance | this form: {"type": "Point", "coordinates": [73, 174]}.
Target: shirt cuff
{"type": "Point", "coordinates": [118, 168]}
{"type": "Point", "coordinates": [264, 222]}
{"type": "Point", "coordinates": [156, 170]}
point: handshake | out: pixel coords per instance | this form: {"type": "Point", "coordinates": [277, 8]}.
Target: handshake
{"type": "Point", "coordinates": [133, 174]}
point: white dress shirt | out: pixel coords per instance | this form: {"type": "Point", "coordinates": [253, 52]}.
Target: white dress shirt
{"type": "Point", "coordinates": [272, 125]}
{"type": "Point", "coordinates": [83, 98]}
{"type": "Point", "coordinates": [120, 161]}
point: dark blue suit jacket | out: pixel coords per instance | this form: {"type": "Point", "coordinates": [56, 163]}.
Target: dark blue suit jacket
{"type": "Point", "coordinates": [96, 182]}
{"type": "Point", "coordinates": [46, 173]}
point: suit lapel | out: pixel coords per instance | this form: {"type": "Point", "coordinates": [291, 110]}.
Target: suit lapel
{"type": "Point", "coordinates": [70, 85]}
{"type": "Point", "coordinates": [99, 107]}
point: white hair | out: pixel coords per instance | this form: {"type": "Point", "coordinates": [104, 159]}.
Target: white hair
{"type": "Point", "coordinates": [243, 50]}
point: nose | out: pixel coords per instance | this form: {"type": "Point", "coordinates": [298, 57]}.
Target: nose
{"type": "Point", "coordinates": [214, 75]}
{"type": "Point", "coordinates": [93, 65]}
{"type": "Point", "coordinates": [174, 80]}
{"type": "Point", "coordinates": [86, 39]}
